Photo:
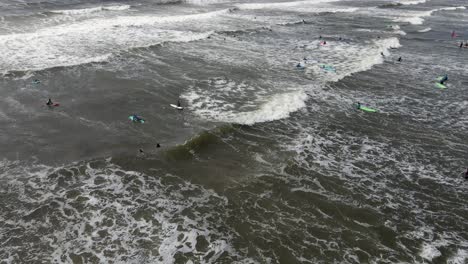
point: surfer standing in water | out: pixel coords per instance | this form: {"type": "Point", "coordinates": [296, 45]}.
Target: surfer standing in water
{"type": "Point", "coordinates": [178, 103]}
{"type": "Point", "coordinates": [50, 103]}
{"type": "Point", "coordinates": [358, 105]}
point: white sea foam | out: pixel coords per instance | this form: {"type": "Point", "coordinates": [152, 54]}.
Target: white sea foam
{"type": "Point", "coordinates": [417, 18]}
{"type": "Point", "coordinates": [461, 257]}
{"type": "Point", "coordinates": [91, 10]}
{"type": "Point", "coordinates": [412, 2]}
{"type": "Point", "coordinates": [204, 2]}
{"type": "Point", "coordinates": [451, 8]}
{"type": "Point", "coordinates": [130, 207]}
{"type": "Point", "coordinates": [281, 5]}
{"type": "Point", "coordinates": [429, 251]}
{"type": "Point", "coordinates": [91, 40]}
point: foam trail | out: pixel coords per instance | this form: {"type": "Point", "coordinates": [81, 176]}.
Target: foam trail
{"type": "Point", "coordinates": [204, 2]}
{"type": "Point", "coordinates": [91, 10]}
{"type": "Point", "coordinates": [253, 6]}
{"type": "Point", "coordinates": [451, 8]}
{"type": "Point", "coordinates": [425, 30]}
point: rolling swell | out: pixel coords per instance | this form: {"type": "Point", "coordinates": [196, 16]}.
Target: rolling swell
{"type": "Point", "coordinates": [205, 142]}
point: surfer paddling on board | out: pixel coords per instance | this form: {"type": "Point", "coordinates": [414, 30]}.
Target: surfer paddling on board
{"type": "Point", "coordinates": [444, 79]}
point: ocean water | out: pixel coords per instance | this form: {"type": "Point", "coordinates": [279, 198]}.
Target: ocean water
{"type": "Point", "coordinates": [267, 163]}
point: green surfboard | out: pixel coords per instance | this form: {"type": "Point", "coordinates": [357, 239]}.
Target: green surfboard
{"type": "Point", "coordinates": [365, 109]}
{"type": "Point", "coordinates": [441, 86]}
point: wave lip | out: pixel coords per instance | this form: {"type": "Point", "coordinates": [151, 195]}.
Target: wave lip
{"type": "Point", "coordinates": [91, 10]}
{"type": "Point", "coordinates": [278, 106]}
{"type": "Point", "coordinates": [418, 17]}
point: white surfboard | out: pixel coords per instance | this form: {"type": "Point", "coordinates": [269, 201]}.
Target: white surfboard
{"type": "Point", "coordinates": [177, 107]}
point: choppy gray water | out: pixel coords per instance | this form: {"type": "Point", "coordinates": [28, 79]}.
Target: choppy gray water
{"type": "Point", "coordinates": [267, 163]}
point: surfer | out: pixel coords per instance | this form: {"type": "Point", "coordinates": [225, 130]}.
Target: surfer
{"type": "Point", "coordinates": [444, 79]}
{"type": "Point", "coordinates": [466, 174]}
{"type": "Point", "coordinates": [178, 103]}
{"type": "Point", "coordinates": [157, 145]}
{"type": "Point", "coordinates": [381, 53]}
{"type": "Point", "coordinates": [50, 103]}
{"type": "Point", "coordinates": [136, 118]}
{"type": "Point", "coordinates": [461, 44]}
{"type": "Point", "coordinates": [358, 105]}
{"type": "Point", "coordinates": [299, 65]}
{"type": "Point", "coordinates": [399, 59]}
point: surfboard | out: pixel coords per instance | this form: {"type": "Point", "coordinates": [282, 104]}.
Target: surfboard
{"type": "Point", "coordinates": [134, 120]}
{"type": "Point", "coordinates": [441, 86]}
{"type": "Point", "coordinates": [177, 107]}
{"type": "Point", "coordinates": [53, 105]}
{"type": "Point", "coordinates": [328, 68]}
{"type": "Point", "coordinates": [367, 109]}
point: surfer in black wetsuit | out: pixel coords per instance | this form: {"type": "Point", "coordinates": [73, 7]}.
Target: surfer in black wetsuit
{"type": "Point", "coordinates": [358, 105]}
{"type": "Point", "coordinates": [461, 44]}
{"type": "Point", "coordinates": [444, 79]}
{"type": "Point", "coordinates": [399, 59]}
{"type": "Point", "coordinates": [178, 103]}
{"type": "Point", "coordinates": [49, 103]}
